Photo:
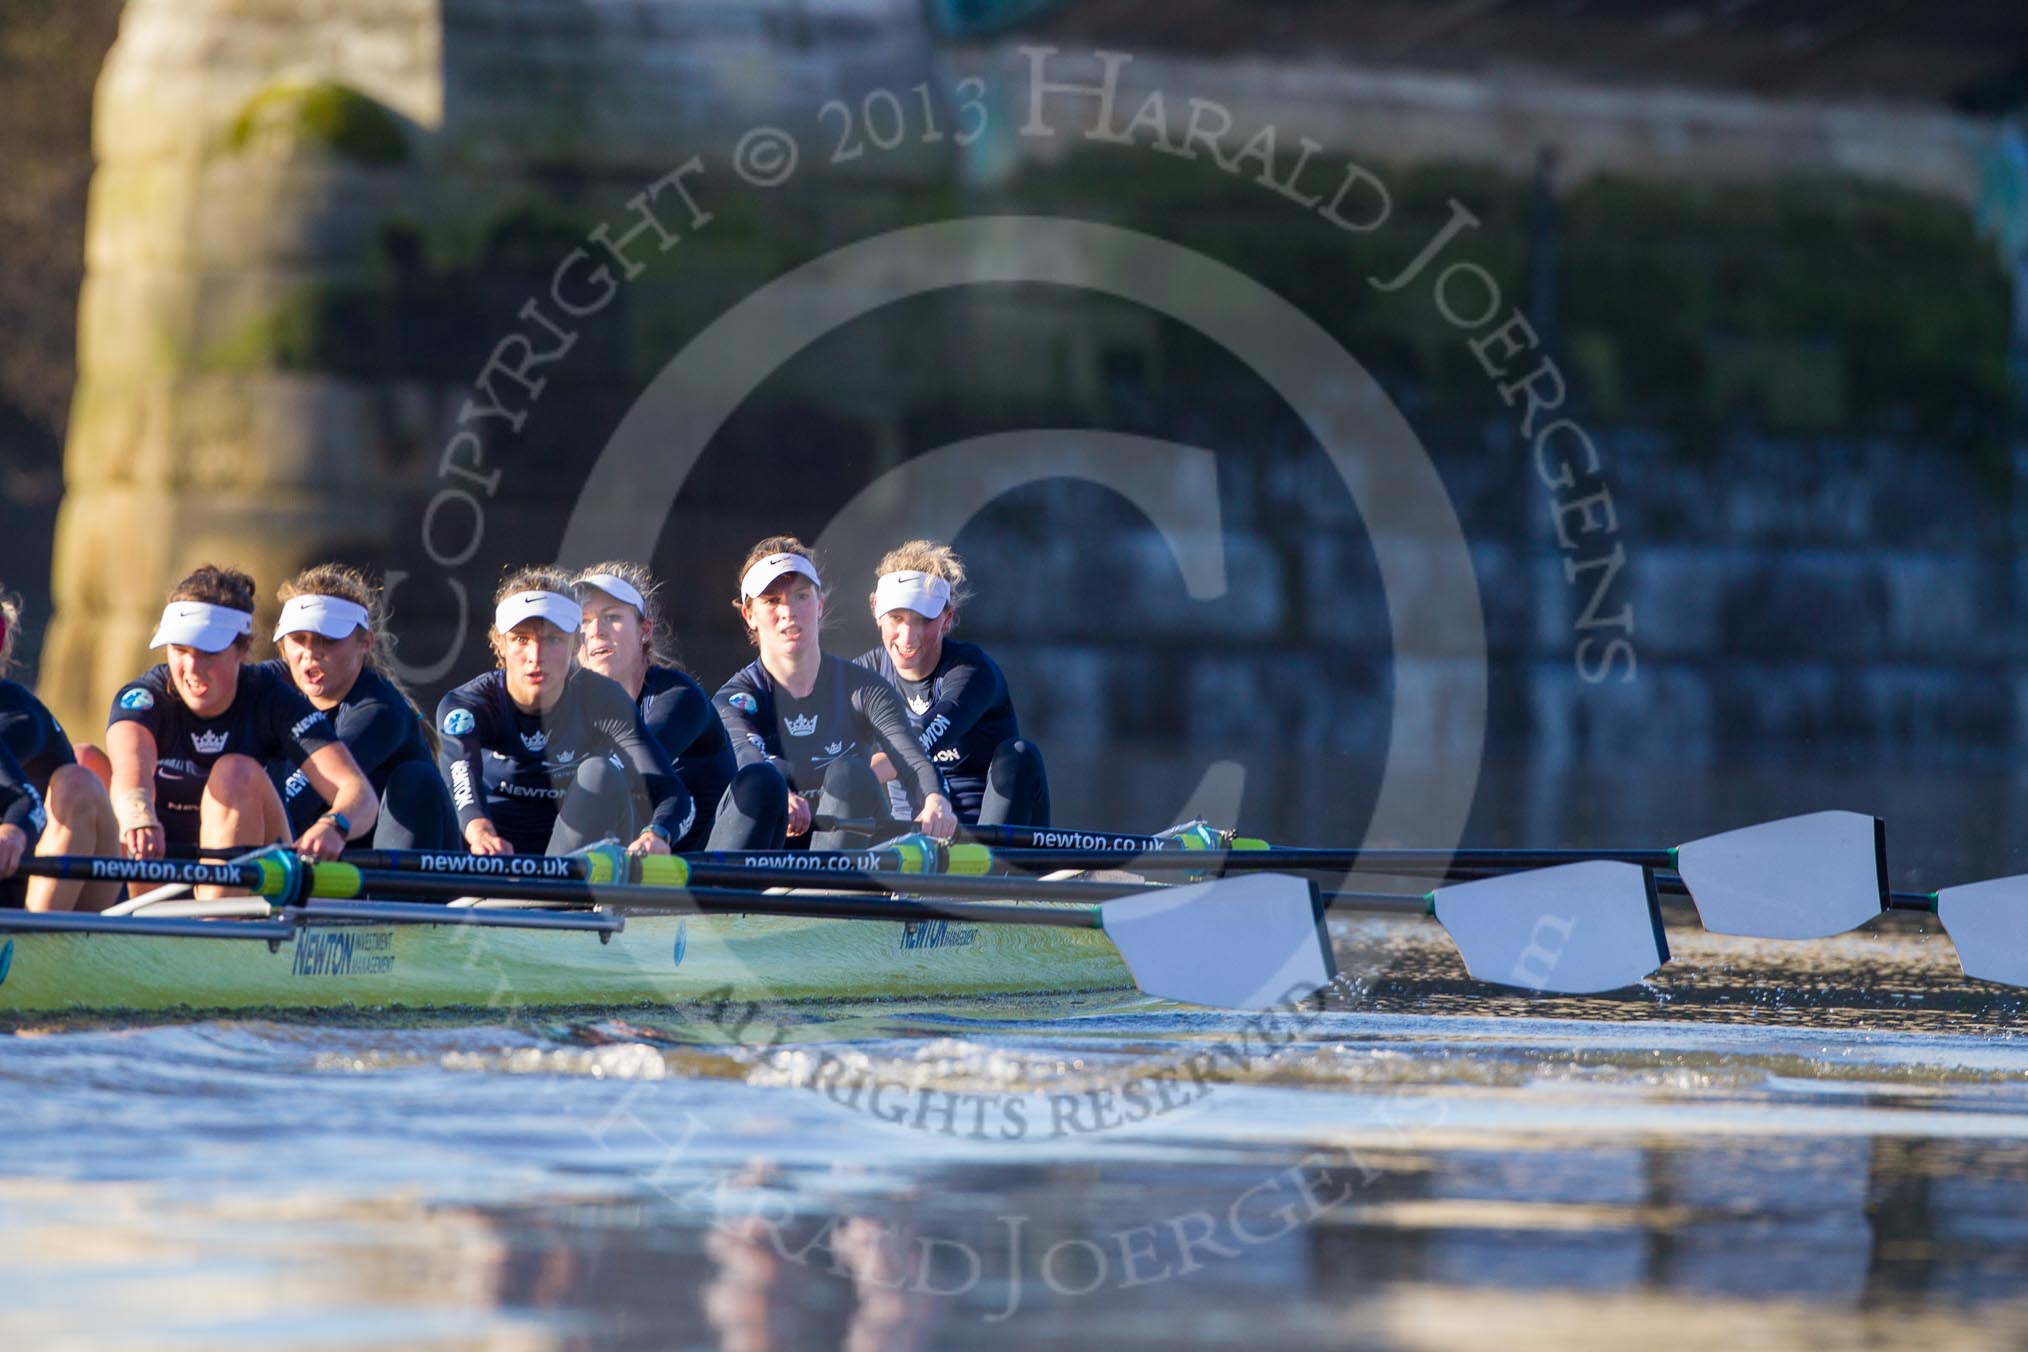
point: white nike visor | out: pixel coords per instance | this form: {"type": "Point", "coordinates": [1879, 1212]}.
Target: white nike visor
{"type": "Point", "coordinates": [555, 607]}
{"type": "Point", "coordinates": [616, 587]}
{"type": "Point", "coordinates": [924, 593]}
{"type": "Point", "coordinates": [331, 616]}
{"type": "Point", "coordinates": [194, 624]}
{"type": "Point", "coordinates": [773, 566]}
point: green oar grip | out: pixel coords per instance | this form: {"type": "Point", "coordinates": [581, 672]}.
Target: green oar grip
{"type": "Point", "coordinates": [664, 870]}
{"type": "Point", "coordinates": [1248, 843]}
{"type": "Point", "coordinates": [969, 860]}
{"type": "Point", "coordinates": [329, 882]}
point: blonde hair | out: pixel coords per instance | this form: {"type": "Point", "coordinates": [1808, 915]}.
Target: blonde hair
{"type": "Point", "coordinates": [211, 585]}
{"type": "Point", "coordinates": [10, 608]}
{"type": "Point", "coordinates": [658, 644]}
{"type": "Point", "coordinates": [926, 556]}
{"type": "Point", "coordinates": [350, 584]}
{"type": "Point", "coordinates": [542, 577]}
{"type": "Point", "coordinates": [774, 544]}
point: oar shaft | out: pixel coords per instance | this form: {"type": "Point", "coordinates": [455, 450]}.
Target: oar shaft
{"type": "Point", "coordinates": [1375, 903]}
{"type": "Point", "coordinates": [85, 868]}
{"type": "Point", "coordinates": [1011, 837]}
{"type": "Point", "coordinates": [343, 881]}
{"type": "Point", "coordinates": [898, 859]}
{"type": "Point", "coordinates": [1008, 888]}
{"type": "Point", "coordinates": [1291, 859]}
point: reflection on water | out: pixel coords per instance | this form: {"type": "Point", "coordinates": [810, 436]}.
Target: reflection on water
{"type": "Point", "coordinates": [1808, 1145]}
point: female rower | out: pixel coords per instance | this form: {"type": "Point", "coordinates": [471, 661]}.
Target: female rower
{"type": "Point", "coordinates": [190, 739]}
{"type": "Point", "coordinates": [77, 812]}
{"type": "Point", "coordinates": [624, 637]}
{"type": "Point", "coordinates": [956, 697]}
{"type": "Point", "coordinates": [804, 725]}
{"type": "Point", "coordinates": [333, 640]}
{"type": "Point", "coordinates": [537, 751]}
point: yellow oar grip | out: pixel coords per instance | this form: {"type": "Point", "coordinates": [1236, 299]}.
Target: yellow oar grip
{"type": "Point", "coordinates": [274, 877]}
{"type": "Point", "coordinates": [665, 870]}
{"type": "Point", "coordinates": [969, 860]}
{"type": "Point", "coordinates": [1248, 843]}
{"type": "Point", "coordinates": [605, 864]}
{"type": "Point", "coordinates": [333, 882]}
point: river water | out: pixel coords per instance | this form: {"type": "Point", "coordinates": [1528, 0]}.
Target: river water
{"type": "Point", "coordinates": [1816, 1144]}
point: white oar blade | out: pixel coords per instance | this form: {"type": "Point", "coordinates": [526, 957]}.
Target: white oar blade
{"type": "Point", "coordinates": [1807, 877]}
{"type": "Point", "coordinates": [1256, 941]}
{"type": "Point", "coordinates": [1988, 922]}
{"type": "Point", "coordinates": [1574, 930]}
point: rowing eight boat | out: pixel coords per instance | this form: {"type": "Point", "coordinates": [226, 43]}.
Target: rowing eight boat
{"type": "Point", "coordinates": [654, 959]}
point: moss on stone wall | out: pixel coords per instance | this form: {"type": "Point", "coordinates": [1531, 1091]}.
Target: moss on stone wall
{"type": "Point", "coordinates": [327, 327]}
{"type": "Point", "coordinates": [325, 115]}
{"type": "Point", "coordinates": [1803, 305]}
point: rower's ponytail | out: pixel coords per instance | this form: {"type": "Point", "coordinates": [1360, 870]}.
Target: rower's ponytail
{"type": "Point", "coordinates": [211, 585]}
{"type": "Point", "coordinates": [350, 584]}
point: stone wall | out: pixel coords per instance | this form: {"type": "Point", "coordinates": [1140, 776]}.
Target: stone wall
{"type": "Point", "coordinates": [312, 224]}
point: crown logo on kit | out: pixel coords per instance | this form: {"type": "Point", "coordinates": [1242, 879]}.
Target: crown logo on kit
{"type": "Point", "coordinates": [535, 741]}
{"type": "Point", "coordinates": [834, 748]}
{"type": "Point", "coordinates": [801, 727]}
{"type": "Point", "coordinates": [210, 743]}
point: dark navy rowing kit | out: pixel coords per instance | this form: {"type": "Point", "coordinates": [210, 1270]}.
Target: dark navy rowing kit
{"type": "Point", "coordinates": [269, 719]}
{"type": "Point", "coordinates": [681, 718]}
{"type": "Point", "coordinates": [523, 771]}
{"type": "Point", "coordinates": [386, 737]}
{"type": "Point", "coordinates": [850, 714]}
{"type": "Point", "coordinates": [31, 732]}
{"type": "Point", "coordinates": [964, 721]}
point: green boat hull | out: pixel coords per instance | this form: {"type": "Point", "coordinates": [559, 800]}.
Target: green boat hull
{"type": "Point", "coordinates": [655, 960]}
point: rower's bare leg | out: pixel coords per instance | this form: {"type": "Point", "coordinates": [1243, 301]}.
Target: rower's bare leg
{"type": "Point", "coordinates": [81, 821]}
{"type": "Point", "coordinates": [96, 761]}
{"type": "Point", "coordinates": [241, 811]}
